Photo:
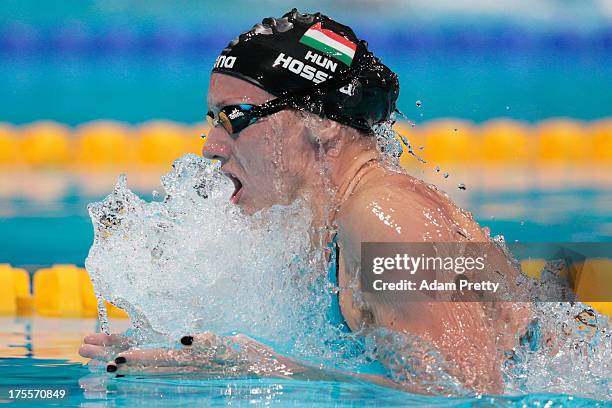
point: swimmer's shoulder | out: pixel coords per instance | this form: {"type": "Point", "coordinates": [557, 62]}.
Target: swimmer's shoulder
{"type": "Point", "coordinates": [389, 206]}
{"type": "Point", "coordinates": [382, 207]}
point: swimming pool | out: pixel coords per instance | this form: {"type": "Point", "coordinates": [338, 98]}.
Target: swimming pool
{"type": "Point", "coordinates": [525, 204]}
{"type": "Point", "coordinates": [76, 63]}
{"type": "Point", "coordinates": [41, 353]}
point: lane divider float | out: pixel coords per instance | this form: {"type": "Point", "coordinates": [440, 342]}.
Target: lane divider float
{"type": "Point", "coordinates": [497, 142]}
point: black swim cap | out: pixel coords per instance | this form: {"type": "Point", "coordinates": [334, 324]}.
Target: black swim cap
{"type": "Point", "coordinates": [298, 51]}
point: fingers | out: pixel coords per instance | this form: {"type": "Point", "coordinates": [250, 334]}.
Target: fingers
{"type": "Point", "coordinates": [204, 353]}
{"type": "Point", "coordinates": [155, 361]}
{"type": "Point", "coordinates": [103, 339]}
{"type": "Point", "coordinates": [142, 360]}
{"type": "Point", "coordinates": [150, 357]}
{"type": "Point", "coordinates": [209, 340]}
{"type": "Point", "coordinates": [95, 352]}
{"type": "Point", "coordinates": [101, 346]}
{"type": "Point", "coordinates": [212, 348]}
{"type": "Point", "coordinates": [145, 358]}
{"type": "Point", "coordinates": [227, 349]}
{"type": "Point", "coordinates": [202, 372]}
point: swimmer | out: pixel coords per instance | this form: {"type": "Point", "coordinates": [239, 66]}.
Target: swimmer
{"type": "Point", "coordinates": [292, 104]}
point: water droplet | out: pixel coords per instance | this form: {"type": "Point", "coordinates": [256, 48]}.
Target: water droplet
{"type": "Point", "coordinates": [102, 314]}
{"type": "Point", "coordinates": [437, 169]}
{"type": "Point", "coordinates": [419, 104]}
{"type": "Point", "coordinates": [461, 186]}
{"type": "Point", "coordinates": [445, 175]}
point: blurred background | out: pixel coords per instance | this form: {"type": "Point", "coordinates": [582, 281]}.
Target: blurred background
{"type": "Point", "coordinates": [510, 103]}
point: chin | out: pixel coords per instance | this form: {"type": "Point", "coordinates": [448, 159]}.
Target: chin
{"type": "Point", "coordinates": [249, 207]}
{"type": "Point", "coordinates": [247, 210]}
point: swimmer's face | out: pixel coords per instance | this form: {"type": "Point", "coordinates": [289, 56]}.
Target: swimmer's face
{"type": "Point", "coordinates": [270, 160]}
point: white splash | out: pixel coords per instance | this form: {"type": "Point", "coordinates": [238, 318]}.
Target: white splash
{"type": "Point", "coordinates": [194, 263]}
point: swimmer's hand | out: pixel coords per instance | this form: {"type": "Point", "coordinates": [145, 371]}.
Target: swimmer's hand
{"type": "Point", "coordinates": [206, 355]}
{"type": "Point", "coordinates": [102, 347]}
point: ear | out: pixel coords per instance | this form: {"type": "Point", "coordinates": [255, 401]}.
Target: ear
{"type": "Point", "coordinates": [329, 135]}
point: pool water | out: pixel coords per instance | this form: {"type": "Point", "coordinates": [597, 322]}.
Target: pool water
{"type": "Point", "coordinates": [43, 228]}
{"type": "Point", "coordinates": [55, 228]}
{"type": "Point", "coordinates": [43, 354]}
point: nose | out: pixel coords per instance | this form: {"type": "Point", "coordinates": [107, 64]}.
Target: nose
{"type": "Point", "coordinates": [217, 146]}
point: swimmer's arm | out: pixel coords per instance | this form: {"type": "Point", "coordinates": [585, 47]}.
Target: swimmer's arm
{"type": "Point", "coordinates": [310, 373]}
{"type": "Point", "coordinates": [210, 356]}
{"type": "Point", "coordinates": [205, 354]}
{"type": "Point", "coordinates": [457, 330]}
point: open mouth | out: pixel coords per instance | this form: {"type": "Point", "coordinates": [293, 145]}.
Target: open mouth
{"type": "Point", "coordinates": [237, 188]}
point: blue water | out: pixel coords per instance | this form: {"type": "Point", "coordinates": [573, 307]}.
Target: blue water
{"type": "Point", "coordinates": [473, 86]}
{"type": "Point", "coordinates": [102, 389]}
{"type": "Point", "coordinates": [79, 62]}
{"type": "Point", "coordinates": [84, 61]}
{"type": "Point", "coordinates": [35, 233]}
{"type": "Point", "coordinates": [40, 233]}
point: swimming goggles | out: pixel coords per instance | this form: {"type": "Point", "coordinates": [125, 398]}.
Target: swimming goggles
{"type": "Point", "coordinates": [235, 118]}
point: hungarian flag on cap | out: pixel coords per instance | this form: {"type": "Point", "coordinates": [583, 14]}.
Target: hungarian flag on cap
{"type": "Point", "coordinates": [329, 43]}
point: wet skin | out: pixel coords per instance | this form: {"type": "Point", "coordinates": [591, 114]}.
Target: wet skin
{"type": "Point", "coordinates": [278, 159]}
